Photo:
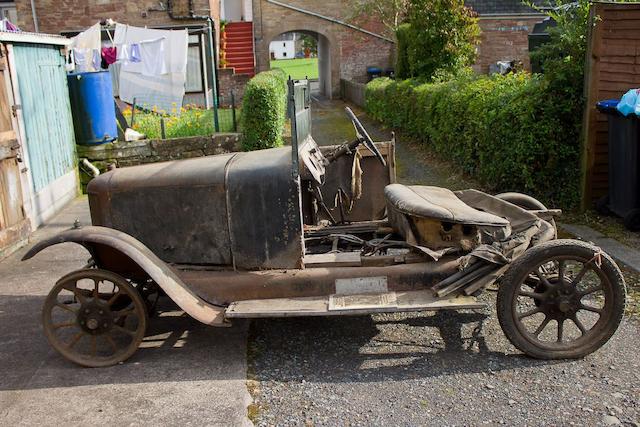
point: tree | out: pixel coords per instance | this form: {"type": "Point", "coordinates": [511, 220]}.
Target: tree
{"type": "Point", "coordinates": [391, 13]}
{"type": "Point", "coordinates": [442, 37]}
{"type": "Point", "coordinates": [309, 42]}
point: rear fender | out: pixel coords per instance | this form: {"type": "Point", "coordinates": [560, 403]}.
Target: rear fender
{"type": "Point", "coordinates": [158, 270]}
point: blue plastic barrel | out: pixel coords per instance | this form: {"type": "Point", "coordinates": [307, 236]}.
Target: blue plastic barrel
{"type": "Point", "coordinates": [92, 106]}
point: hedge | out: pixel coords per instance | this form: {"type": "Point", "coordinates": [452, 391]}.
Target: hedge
{"type": "Point", "coordinates": [264, 110]}
{"type": "Point", "coordinates": [402, 60]}
{"type": "Point", "coordinates": [512, 133]}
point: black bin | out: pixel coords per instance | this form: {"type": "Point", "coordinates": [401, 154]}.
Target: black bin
{"type": "Point", "coordinates": [624, 161]}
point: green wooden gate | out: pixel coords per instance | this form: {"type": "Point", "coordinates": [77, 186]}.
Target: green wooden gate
{"type": "Point", "coordinates": [46, 110]}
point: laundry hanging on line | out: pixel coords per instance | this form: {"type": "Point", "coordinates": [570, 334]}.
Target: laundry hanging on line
{"type": "Point", "coordinates": [95, 60]}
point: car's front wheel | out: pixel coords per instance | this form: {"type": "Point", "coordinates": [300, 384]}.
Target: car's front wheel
{"type": "Point", "coordinates": [562, 299]}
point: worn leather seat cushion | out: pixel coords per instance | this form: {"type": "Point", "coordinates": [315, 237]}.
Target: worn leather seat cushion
{"type": "Point", "coordinates": [437, 203]}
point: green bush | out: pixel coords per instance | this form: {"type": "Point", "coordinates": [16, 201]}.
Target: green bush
{"type": "Point", "coordinates": [442, 35]}
{"type": "Point", "coordinates": [264, 110]}
{"type": "Point", "coordinates": [402, 46]}
{"type": "Point", "coordinates": [512, 133]}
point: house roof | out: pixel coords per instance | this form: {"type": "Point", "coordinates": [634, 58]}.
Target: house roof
{"type": "Point", "coordinates": [504, 7]}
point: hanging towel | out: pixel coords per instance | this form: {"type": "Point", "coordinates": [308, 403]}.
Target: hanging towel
{"type": "Point", "coordinates": [122, 55]}
{"type": "Point", "coordinates": [153, 58]}
{"type": "Point", "coordinates": [135, 55]}
{"type": "Point", "coordinates": [96, 59]}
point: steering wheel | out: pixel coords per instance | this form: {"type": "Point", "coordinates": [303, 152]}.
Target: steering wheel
{"type": "Point", "coordinates": [363, 136]}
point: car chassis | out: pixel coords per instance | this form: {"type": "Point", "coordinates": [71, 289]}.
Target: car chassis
{"type": "Point", "coordinates": [319, 231]}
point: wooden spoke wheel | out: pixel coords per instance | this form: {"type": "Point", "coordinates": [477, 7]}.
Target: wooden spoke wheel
{"type": "Point", "coordinates": [94, 318]}
{"type": "Point", "coordinates": [561, 299]}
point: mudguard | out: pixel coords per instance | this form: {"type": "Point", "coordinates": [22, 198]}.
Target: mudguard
{"type": "Point", "coordinates": [157, 269]}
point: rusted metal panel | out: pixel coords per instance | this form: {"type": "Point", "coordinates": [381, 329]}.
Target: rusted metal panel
{"type": "Point", "coordinates": [264, 210]}
{"type": "Point", "coordinates": [375, 176]}
{"type": "Point", "coordinates": [137, 252]}
{"type": "Point", "coordinates": [208, 210]}
{"type": "Point", "coordinates": [178, 209]}
{"type": "Point", "coordinates": [223, 287]}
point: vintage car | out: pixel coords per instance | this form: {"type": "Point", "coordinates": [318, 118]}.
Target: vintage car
{"type": "Point", "coordinates": [319, 231]}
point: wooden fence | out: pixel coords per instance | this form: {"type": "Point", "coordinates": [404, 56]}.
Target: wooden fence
{"type": "Point", "coordinates": [612, 68]}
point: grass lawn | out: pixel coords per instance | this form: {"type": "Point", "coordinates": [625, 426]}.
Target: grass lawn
{"type": "Point", "coordinates": [191, 122]}
{"type": "Point", "coordinates": [298, 68]}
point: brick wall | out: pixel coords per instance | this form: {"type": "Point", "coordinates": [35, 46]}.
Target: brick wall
{"type": "Point", "coordinates": [351, 51]}
{"type": "Point", "coordinates": [55, 16]}
{"type": "Point", "coordinates": [230, 82]}
{"type": "Point", "coordinates": [504, 39]}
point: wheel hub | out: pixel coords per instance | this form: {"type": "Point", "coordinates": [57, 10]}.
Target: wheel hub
{"type": "Point", "coordinates": [95, 317]}
{"type": "Point", "coordinates": [560, 303]}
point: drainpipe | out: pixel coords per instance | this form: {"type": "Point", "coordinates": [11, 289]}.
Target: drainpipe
{"type": "Point", "coordinates": [35, 16]}
{"type": "Point", "coordinates": [214, 81]}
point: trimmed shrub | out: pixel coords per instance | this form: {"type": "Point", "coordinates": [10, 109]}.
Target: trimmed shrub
{"type": "Point", "coordinates": [264, 110]}
{"type": "Point", "coordinates": [442, 36]}
{"type": "Point", "coordinates": [402, 59]}
{"type": "Point", "coordinates": [512, 133]}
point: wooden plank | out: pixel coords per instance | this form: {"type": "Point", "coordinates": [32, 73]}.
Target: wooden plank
{"type": "Point", "coordinates": [340, 259]}
{"type": "Point", "coordinates": [612, 59]}
{"type": "Point", "coordinates": [592, 87]}
{"type": "Point", "coordinates": [404, 301]}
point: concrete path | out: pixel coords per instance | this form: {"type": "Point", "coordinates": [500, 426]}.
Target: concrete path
{"type": "Point", "coordinates": [187, 374]}
{"type": "Point", "coordinates": [623, 253]}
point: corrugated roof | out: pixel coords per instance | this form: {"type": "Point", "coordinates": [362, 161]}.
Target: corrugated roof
{"type": "Point", "coordinates": [503, 7]}
{"type": "Point", "coordinates": [25, 37]}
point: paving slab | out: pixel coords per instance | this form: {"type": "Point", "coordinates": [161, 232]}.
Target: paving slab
{"type": "Point", "coordinates": [187, 374]}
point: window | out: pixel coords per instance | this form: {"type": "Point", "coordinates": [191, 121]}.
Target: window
{"type": "Point", "coordinates": [284, 54]}
{"type": "Point", "coordinates": [194, 69]}
{"type": "Point", "coordinates": [284, 44]}
{"type": "Point", "coordinates": [8, 10]}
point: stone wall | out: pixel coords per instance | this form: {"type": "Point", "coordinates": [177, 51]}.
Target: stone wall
{"type": "Point", "coordinates": [123, 154]}
{"type": "Point", "coordinates": [55, 16]}
{"type": "Point", "coordinates": [504, 39]}
{"type": "Point", "coordinates": [230, 82]}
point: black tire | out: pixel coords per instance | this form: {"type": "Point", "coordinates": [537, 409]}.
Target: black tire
{"type": "Point", "coordinates": [520, 274]}
{"type": "Point", "coordinates": [632, 220]}
{"type": "Point", "coordinates": [527, 202]}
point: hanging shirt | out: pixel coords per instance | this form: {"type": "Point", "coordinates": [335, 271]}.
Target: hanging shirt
{"type": "Point", "coordinates": [83, 58]}
{"type": "Point", "coordinates": [109, 55]}
{"type": "Point", "coordinates": [88, 39]}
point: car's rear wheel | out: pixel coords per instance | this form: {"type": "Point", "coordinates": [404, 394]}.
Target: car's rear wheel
{"type": "Point", "coordinates": [562, 299]}
{"type": "Point", "coordinates": [94, 318]}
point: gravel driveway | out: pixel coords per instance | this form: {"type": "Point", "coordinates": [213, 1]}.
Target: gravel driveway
{"type": "Point", "coordinates": [450, 368]}
{"type": "Point", "coordinates": [445, 368]}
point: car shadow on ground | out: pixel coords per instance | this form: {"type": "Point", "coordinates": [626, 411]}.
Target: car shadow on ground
{"type": "Point", "coordinates": [378, 348]}
{"type": "Point", "coordinates": [176, 348]}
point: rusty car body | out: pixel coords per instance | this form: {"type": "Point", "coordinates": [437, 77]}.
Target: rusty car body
{"type": "Point", "coordinates": [317, 231]}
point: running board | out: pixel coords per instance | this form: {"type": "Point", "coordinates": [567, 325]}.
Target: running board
{"type": "Point", "coordinates": [344, 305]}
